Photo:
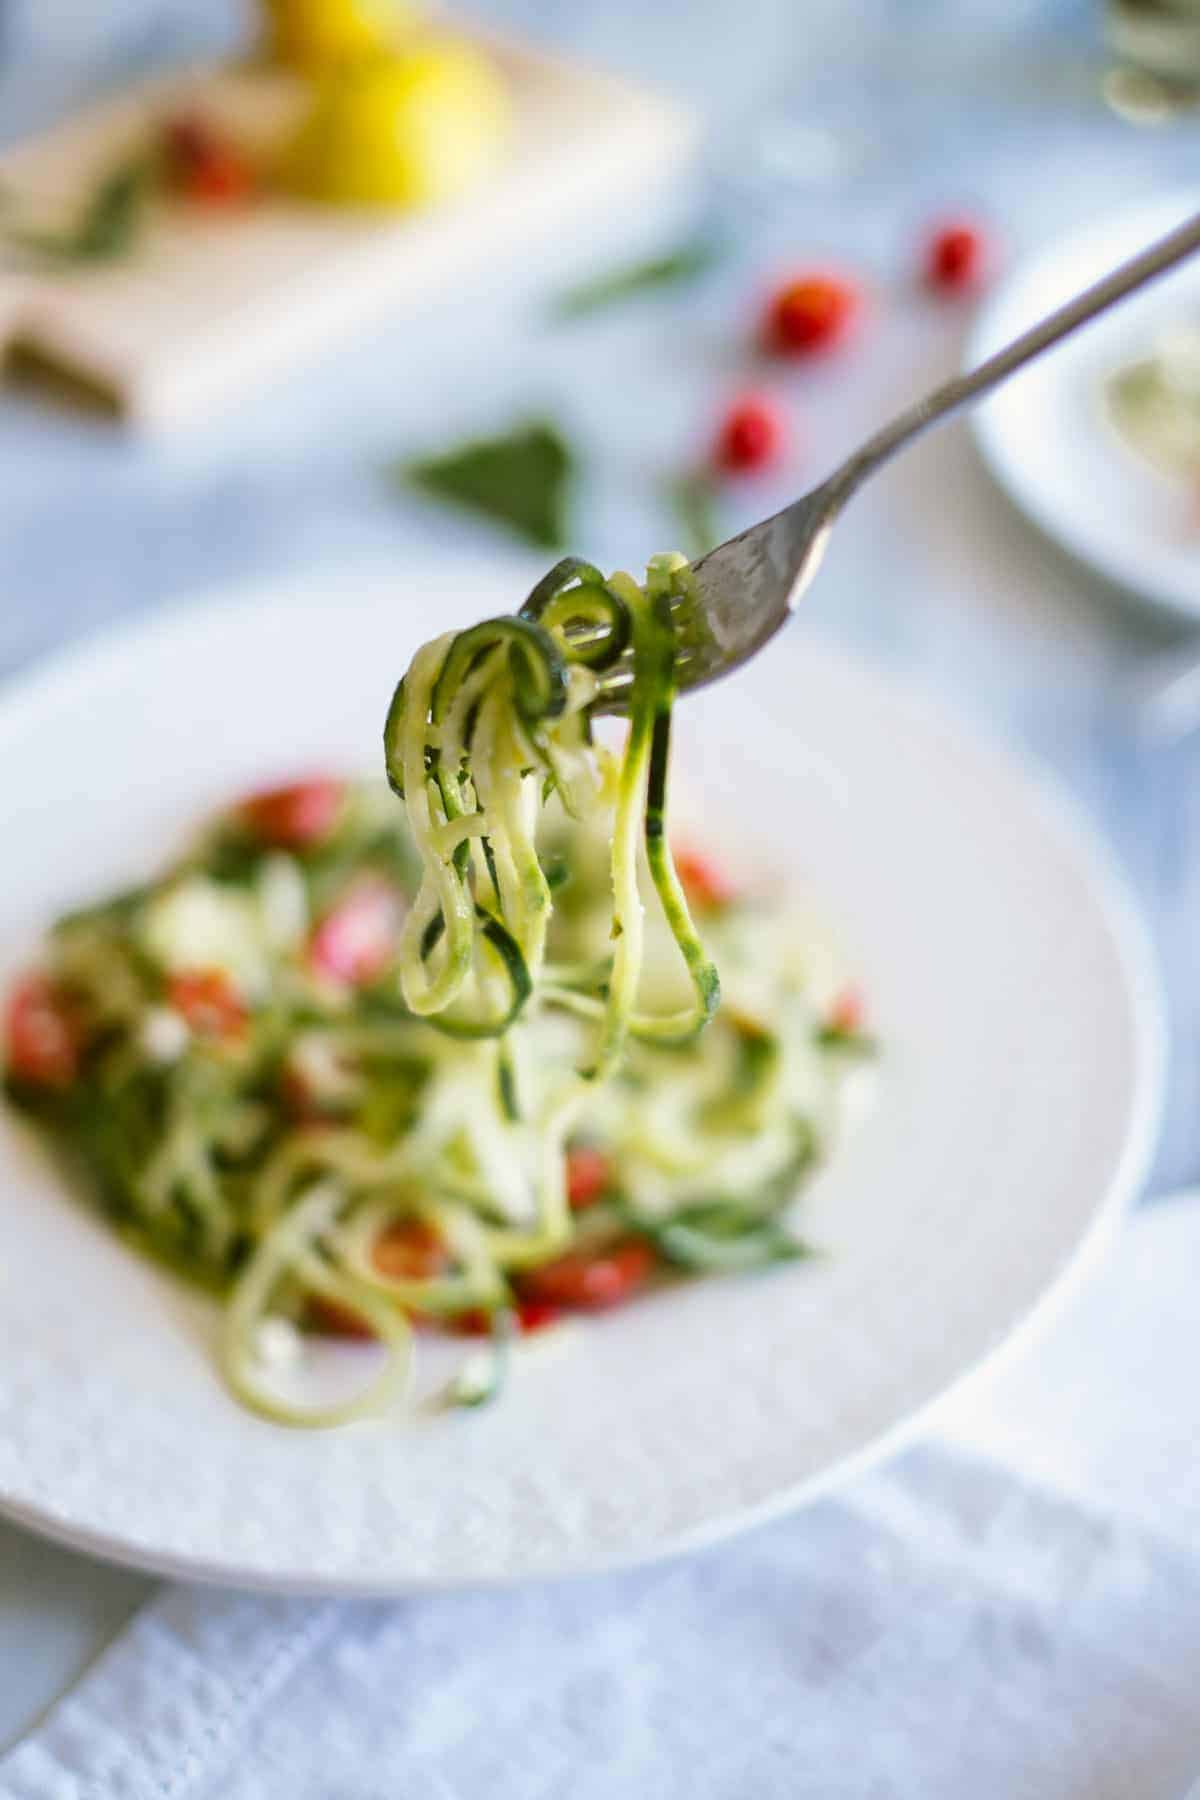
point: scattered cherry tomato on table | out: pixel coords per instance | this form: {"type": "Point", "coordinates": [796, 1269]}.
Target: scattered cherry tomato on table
{"type": "Point", "coordinates": [41, 1037]}
{"type": "Point", "coordinates": [223, 179]}
{"type": "Point", "coordinates": [751, 437]}
{"type": "Point", "coordinates": [590, 1279]}
{"type": "Point", "coordinates": [209, 1003]}
{"type": "Point", "coordinates": [811, 315]}
{"type": "Point", "coordinates": [203, 165]}
{"type": "Point", "coordinates": [956, 257]}
{"type": "Point", "coordinates": [356, 940]}
{"type": "Point", "coordinates": [294, 816]}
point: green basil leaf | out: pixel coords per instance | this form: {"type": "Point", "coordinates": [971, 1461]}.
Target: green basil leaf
{"type": "Point", "coordinates": [676, 268]}
{"type": "Point", "coordinates": [109, 224]}
{"type": "Point", "coordinates": [521, 480]}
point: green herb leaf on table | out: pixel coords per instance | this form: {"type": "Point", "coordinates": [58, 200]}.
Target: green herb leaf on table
{"type": "Point", "coordinates": [674, 269]}
{"type": "Point", "coordinates": [521, 479]}
{"type": "Point", "coordinates": [692, 498]}
{"type": "Point", "coordinates": [115, 212]}
{"type": "Point", "coordinates": [108, 225]}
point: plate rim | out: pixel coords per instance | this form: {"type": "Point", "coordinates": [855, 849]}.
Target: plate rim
{"type": "Point", "coordinates": [1045, 796]}
{"type": "Point", "coordinates": [1158, 212]}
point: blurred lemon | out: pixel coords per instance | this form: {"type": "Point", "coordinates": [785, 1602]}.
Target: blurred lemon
{"type": "Point", "coordinates": [312, 34]}
{"type": "Point", "coordinates": [400, 131]}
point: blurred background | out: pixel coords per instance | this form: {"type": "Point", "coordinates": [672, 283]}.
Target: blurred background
{"type": "Point", "coordinates": [830, 134]}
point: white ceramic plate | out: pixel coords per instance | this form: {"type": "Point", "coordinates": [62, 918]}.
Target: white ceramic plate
{"type": "Point", "coordinates": [1016, 1103]}
{"type": "Point", "coordinates": [1045, 435]}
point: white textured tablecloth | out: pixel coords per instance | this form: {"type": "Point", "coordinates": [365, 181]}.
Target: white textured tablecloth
{"type": "Point", "coordinates": [1010, 1610]}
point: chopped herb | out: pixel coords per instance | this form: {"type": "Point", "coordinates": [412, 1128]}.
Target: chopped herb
{"type": "Point", "coordinates": [521, 480]}
{"type": "Point", "coordinates": [726, 1236]}
{"type": "Point", "coordinates": [108, 225]}
{"type": "Point", "coordinates": [677, 267]}
{"type": "Point", "coordinates": [692, 498]}
{"type": "Point", "coordinates": [849, 1042]}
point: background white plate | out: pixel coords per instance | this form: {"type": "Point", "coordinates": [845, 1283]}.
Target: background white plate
{"type": "Point", "coordinates": [1045, 435]}
{"type": "Point", "coordinates": [1016, 1103]}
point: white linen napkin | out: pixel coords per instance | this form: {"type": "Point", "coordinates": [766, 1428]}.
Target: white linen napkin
{"type": "Point", "coordinates": [1010, 1610]}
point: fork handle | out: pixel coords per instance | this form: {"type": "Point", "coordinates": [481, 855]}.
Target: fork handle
{"type": "Point", "coordinates": [963, 389]}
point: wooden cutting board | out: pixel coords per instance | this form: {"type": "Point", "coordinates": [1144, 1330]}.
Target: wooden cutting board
{"type": "Point", "coordinates": [210, 304]}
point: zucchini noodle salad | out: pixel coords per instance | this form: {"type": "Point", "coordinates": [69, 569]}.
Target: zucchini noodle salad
{"type": "Point", "coordinates": [461, 1064]}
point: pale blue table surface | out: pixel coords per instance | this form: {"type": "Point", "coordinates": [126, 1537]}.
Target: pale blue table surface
{"type": "Point", "coordinates": [990, 103]}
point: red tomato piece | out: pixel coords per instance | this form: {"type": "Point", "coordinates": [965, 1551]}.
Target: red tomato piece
{"type": "Point", "coordinates": [210, 1003]}
{"type": "Point", "coordinates": [589, 1175]}
{"type": "Point", "coordinates": [332, 1319]}
{"type": "Point", "coordinates": [532, 1315]}
{"type": "Point", "coordinates": [410, 1250]}
{"type": "Point", "coordinates": [704, 881]}
{"type": "Point", "coordinates": [956, 257]}
{"type": "Point", "coordinates": [476, 1322]}
{"type": "Point", "coordinates": [296, 815]}
{"type": "Point", "coordinates": [591, 1279]}
{"type": "Point", "coordinates": [751, 437]}
{"type": "Point", "coordinates": [406, 1250]}
{"type": "Point", "coordinates": [187, 139]}
{"type": "Point", "coordinates": [811, 314]}
{"type": "Point", "coordinates": [41, 1037]}
{"type": "Point", "coordinates": [537, 1315]}
{"type": "Point", "coordinates": [225, 179]}
{"type": "Point", "coordinates": [356, 940]}
{"type": "Point", "coordinates": [847, 1015]}
{"type": "Point", "coordinates": [203, 165]}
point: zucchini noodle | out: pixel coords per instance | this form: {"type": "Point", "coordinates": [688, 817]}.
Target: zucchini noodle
{"type": "Point", "coordinates": [486, 723]}
{"type": "Point", "coordinates": [462, 1064]}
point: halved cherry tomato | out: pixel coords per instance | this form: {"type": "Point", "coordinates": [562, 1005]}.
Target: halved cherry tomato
{"type": "Point", "coordinates": [41, 1037]}
{"type": "Point", "coordinates": [410, 1250]}
{"type": "Point", "coordinates": [532, 1315]}
{"type": "Point", "coordinates": [847, 1015]}
{"type": "Point", "coordinates": [812, 314]}
{"type": "Point", "coordinates": [537, 1315]}
{"type": "Point", "coordinates": [589, 1176]}
{"type": "Point", "coordinates": [407, 1250]}
{"type": "Point", "coordinates": [203, 165]}
{"type": "Point", "coordinates": [186, 139]}
{"type": "Point", "coordinates": [588, 1279]}
{"type": "Point", "coordinates": [704, 881]}
{"type": "Point", "coordinates": [294, 816]}
{"type": "Point", "coordinates": [209, 1002]}
{"type": "Point", "coordinates": [224, 178]}
{"type": "Point", "coordinates": [356, 940]}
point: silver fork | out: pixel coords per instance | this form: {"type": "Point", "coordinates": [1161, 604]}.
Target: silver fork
{"type": "Point", "coordinates": [746, 589]}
